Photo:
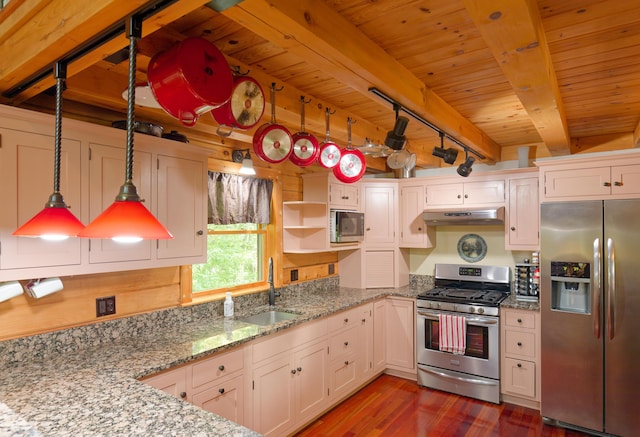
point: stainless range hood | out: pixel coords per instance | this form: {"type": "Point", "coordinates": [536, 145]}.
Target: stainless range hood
{"type": "Point", "coordinates": [467, 216]}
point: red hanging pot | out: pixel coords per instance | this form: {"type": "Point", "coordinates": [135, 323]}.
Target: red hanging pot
{"type": "Point", "coordinates": [272, 142]}
{"type": "Point", "coordinates": [329, 151]}
{"type": "Point", "coordinates": [190, 79]}
{"type": "Point", "coordinates": [245, 107]}
{"type": "Point", "coordinates": [305, 146]}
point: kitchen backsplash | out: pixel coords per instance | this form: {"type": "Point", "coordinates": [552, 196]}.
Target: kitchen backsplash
{"type": "Point", "coordinates": [69, 340]}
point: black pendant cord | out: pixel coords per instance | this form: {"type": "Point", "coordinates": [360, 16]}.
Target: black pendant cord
{"type": "Point", "coordinates": [128, 191]}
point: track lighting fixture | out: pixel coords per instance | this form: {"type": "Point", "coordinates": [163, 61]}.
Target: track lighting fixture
{"type": "Point", "coordinates": [465, 169]}
{"type": "Point", "coordinates": [247, 163]}
{"type": "Point", "coordinates": [449, 155]}
{"type": "Point", "coordinates": [395, 138]}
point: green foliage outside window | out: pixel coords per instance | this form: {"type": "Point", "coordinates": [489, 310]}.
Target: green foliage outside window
{"type": "Point", "coordinates": [235, 257]}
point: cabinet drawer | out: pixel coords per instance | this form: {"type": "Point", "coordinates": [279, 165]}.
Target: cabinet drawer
{"type": "Point", "coordinates": [345, 319]}
{"type": "Point", "coordinates": [519, 377]}
{"type": "Point", "coordinates": [343, 343]}
{"type": "Point", "coordinates": [520, 343]}
{"type": "Point", "coordinates": [216, 367]}
{"type": "Point", "coordinates": [520, 319]}
{"type": "Point", "coordinates": [225, 399]}
{"type": "Point", "coordinates": [281, 343]}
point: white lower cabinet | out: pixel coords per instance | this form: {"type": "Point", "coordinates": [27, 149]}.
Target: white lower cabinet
{"type": "Point", "coordinates": [520, 355]}
{"type": "Point", "coordinates": [401, 332]}
{"type": "Point", "coordinates": [290, 380]}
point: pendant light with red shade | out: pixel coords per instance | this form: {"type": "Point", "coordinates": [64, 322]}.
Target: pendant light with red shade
{"type": "Point", "coordinates": [127, 219]}
{"type": "Point", "coordinates": [55, 221]}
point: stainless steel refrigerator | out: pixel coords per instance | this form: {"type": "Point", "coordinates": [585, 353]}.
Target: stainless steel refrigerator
{"type": "Point", "coordinates": [590, 315]}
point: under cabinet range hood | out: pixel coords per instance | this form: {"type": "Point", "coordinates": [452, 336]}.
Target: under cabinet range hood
{"type": "Point", "coordinates": [467, 216]}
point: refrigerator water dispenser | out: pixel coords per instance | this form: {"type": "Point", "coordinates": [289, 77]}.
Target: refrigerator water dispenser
{"type": "Point", "coordinates": [571, 287]}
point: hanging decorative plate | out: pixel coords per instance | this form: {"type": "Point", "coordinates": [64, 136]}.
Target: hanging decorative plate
{"type": "Point", "coordinates": [472, 248]}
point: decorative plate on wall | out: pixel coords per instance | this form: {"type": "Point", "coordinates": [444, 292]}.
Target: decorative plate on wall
{"type": "Point", "coordinates": [472, 248]}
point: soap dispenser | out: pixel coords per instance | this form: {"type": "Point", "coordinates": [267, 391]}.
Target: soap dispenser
{"type": "Point", "coordinates": [228, 305]}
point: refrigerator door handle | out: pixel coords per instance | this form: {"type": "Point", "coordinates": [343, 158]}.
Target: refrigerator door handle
{"type": "Point", "coordinates": [597, 281]}
{"type": "Point", "coordinates": [611, 289]}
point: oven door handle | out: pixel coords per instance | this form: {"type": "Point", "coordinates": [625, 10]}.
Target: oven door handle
{"type": "Point", "coordinates": [469, 320]}
{"type": "Point", "coordinates": [459, 378]}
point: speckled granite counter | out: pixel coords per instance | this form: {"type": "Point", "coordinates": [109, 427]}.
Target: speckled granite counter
{"type": "Point", "coordinates": [512, 302]}
{"type": "Point", "coordinates": [93, 390]}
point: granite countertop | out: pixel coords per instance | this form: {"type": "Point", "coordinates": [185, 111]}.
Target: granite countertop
{"type": "Point", "coordinates": [513, 302]}
{"type": "Point", "coordinates": [94, 390]}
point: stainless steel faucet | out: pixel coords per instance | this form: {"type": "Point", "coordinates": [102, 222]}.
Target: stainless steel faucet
{"type": "Point", "coordinates": [272, 291]}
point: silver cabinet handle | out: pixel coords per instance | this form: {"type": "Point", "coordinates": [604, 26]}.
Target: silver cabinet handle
{"type": "Point", "coordinates": [611, 289]}
{"type": "Point", "coordinates": [597, 284]}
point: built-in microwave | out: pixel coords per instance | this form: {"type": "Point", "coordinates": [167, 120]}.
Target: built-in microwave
{"type": "Point", "coordinates": [346, 226]}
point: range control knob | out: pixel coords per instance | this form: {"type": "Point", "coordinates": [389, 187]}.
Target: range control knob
{"type": "Point", "coordinates": [480, 310]}
{"type": "Point", "coordinates": [472, 309]}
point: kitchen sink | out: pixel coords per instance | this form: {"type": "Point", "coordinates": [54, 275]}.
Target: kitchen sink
{"type": "Point", "coordinates": [268, 318]}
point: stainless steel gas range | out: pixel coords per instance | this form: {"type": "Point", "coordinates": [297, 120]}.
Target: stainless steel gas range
{"type": "Point", "coordinates": [464, 356]}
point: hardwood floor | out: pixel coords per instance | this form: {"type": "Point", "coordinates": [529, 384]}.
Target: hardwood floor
{"type": "Point", "coordinates": [392, 406]}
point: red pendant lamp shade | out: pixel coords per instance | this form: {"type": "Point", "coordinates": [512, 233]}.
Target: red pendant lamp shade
{"type": "Point", "coordinates": [55, 221]}
{"type": "Point", "coordinates": [127, 219]}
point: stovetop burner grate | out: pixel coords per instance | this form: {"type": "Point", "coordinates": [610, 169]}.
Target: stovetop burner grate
{"type": "Point", "coordinates": [461, 295]}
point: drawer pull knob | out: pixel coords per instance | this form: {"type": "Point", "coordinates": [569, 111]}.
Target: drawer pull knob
{"type": "Point", "coordinates": [519, 320]}
{"type": "Point", "coordinates": [293, 371]}
{"type": "Point", "coordinates": [513, 228]}
{"type": "Point", "coordinates": [299, 369]}
{"type": "Point", "coordinates": [346, 320]}
{"type": "Point", "coordinates": [183, 394]}
{"type": "Point", "coordinates": [607, 184]}
{"type": "Point", "coordinates": [617, 184]}
{"type": "Point", "coordinates": [221, 391]}
{"type": "Point", "coordinates": [519, 365]}
{"type": "Point", "coordinates": [221, 368]}
{"type": "Point", "coordinates": [200, 232]}
{"type": "Point", "coordinates": [519, 343]}
{"type": "Point", "coordinates": [346, 363]}
{"type": "Point", "coordinates": [346, 343]}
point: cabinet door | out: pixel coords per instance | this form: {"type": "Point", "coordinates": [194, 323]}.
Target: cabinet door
{"type": "Point", "coordinates": [106, 176]}
{"type": "Point", "coordinates": [519, 377]}
{"type": "Point", "coordinates": [344, 376]}
{"type": "Point", "coordinates": [173, 382]}
{"type": "Point", "coordinates": [273, 396]}
{"type": "Point", "coordinates": [344, 196]}
{"type": "Point", "coordinates": [625, 180]}
{"type": "Point", "coordinates": [413, 229]}
{"type": "Point", "coordinates": [311, 381]}
{"type": "Point", "coordinates": [379, 335]}
{"type": "Point", "coordinates": [380, 268]}
{"type": "Point", "coordinates": [401, 334]}
{"type": "Point", "coordinates": [225, 399]}
{"type": "Point", "coordinates": [181, 207]}
{"type": "Point", "coordinates": [524, 215]}
{"type": "Point", "coordinates": [483, 193]}
{"type": "Point", "coordinates": [444, 194]}
{"type": "Point", "coordinates": [578, 183]}
{"type": "Point", "coordinates": [379, 215]}
{"type": "Point", "coordinates": [365, 342]}
{"type": "Point", "coordinates": [26, 177]}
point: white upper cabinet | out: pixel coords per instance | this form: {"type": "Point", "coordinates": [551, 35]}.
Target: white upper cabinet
{"type": "Point", "coordinates": [478, 193]}
{"type": "Point", "coordinates": [170, 176]}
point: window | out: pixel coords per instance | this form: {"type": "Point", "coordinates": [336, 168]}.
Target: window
{"type": "Point", "coordinates": [235, 257]}
{"type": "Point", "coordinates": [237, 241]}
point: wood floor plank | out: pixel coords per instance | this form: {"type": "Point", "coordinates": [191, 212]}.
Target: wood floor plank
{"type": "Point", "coordinates": [395, 407]}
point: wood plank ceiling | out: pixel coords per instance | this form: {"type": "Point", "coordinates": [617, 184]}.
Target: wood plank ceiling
{"type": "Point", "coordinates": [561, 76]}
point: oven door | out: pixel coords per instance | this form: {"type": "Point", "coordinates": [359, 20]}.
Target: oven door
{"type": "Point", "coordinates": [482, 344]}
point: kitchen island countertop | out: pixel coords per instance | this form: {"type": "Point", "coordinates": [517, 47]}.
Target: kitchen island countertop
{"type": "Point", "coordinates": [95, 390]}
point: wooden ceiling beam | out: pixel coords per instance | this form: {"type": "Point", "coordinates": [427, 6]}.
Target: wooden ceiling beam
{"type": "Point", "coordinates": [636, 136]}
{"type": "Point", "coordinates": [513, 31]}
{"type": "Point", "coordinates": [320, 35]}
{"type": "Point", "coordinates": [61, 26]}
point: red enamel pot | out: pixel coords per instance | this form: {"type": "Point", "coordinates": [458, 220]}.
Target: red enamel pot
{"type": "Point", "coordinates": [190, 79]}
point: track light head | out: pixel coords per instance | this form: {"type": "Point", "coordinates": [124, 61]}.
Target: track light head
{"type": "Point", "coordinates": [395, 138]}
{"type": "Point", "coordinates": [465, 169]}
{"type": "Point", "coordinates": [448, 155]}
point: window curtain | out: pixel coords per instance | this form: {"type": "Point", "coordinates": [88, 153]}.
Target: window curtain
{"type": "Point", "coordinates": [239, 199]}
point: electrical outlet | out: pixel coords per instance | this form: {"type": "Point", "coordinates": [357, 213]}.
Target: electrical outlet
{"type": "Point", "coordinates": [105, 306]}
{"type": "Point", "coordinates": [332, 269]}
{"type": "Point", "coordinates": [294, 274]}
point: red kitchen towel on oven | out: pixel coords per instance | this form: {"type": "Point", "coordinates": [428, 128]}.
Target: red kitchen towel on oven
{"type": "Point", "coordinates": [453, 334]}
